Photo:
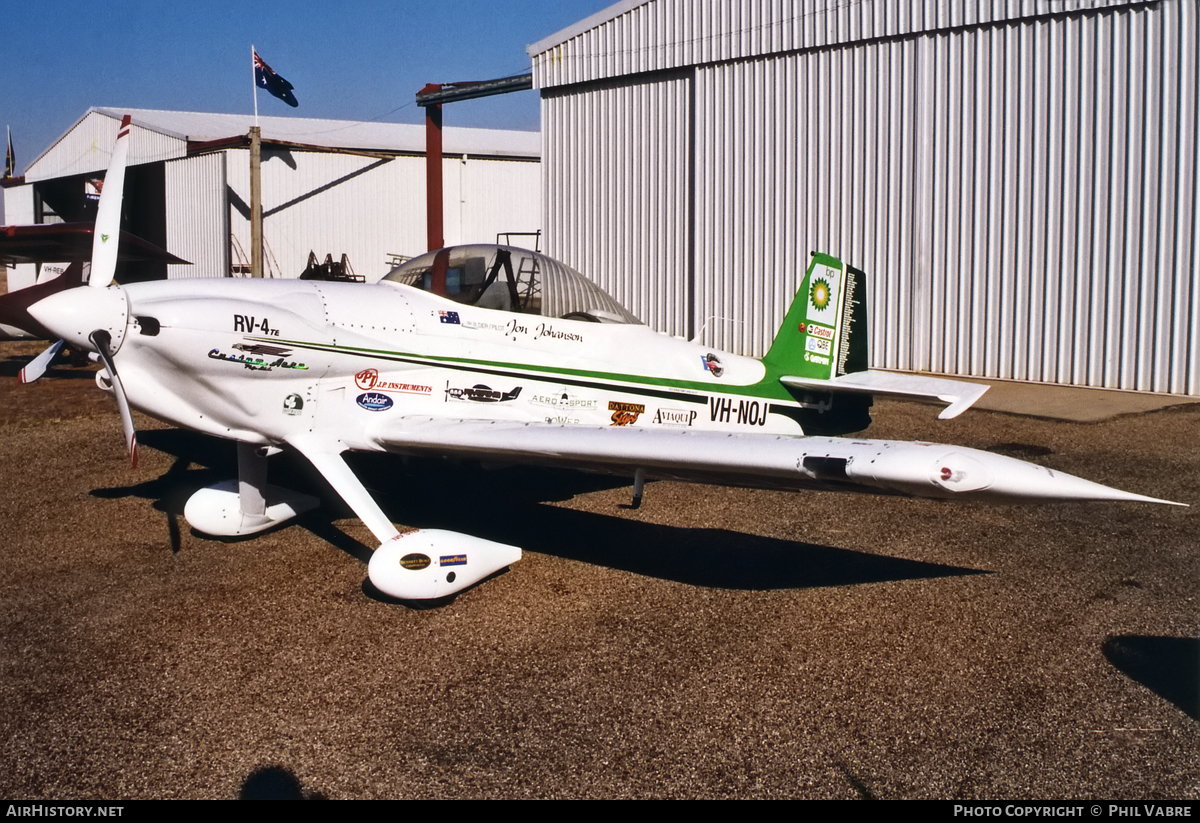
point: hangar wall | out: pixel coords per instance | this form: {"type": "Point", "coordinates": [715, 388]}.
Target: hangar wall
{"type": "Point", "coordinates": [332, 187]}
{"type": "Point", "coordinates": [1019, 181]}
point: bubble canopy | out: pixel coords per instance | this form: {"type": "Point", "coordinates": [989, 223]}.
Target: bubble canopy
{"type": "Point", "coordinates": [510, 279]}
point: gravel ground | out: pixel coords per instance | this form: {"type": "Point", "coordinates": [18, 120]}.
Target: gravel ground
{"type": "Point", "coordinates": [714, 643]}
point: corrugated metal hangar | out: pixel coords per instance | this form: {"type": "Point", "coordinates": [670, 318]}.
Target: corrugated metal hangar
{"type": "Point", "coordinates": [1018, 179]}
{"type": "Point", "coordinates": [330, 187]}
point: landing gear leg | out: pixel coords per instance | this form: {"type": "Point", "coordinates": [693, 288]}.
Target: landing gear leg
{"type": "Point", "coordinates": [248, 505]}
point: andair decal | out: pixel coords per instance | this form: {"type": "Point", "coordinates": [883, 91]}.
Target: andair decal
{"type": "Point", "coordinates": [480, 393]}
{"type": "Point", "coordinates": [712, 364]}
{"type": "Point", "coordinates": [625, 414]}
{"type": "Point", "coordinates": [293, 404]}
{"type": "Point", "coordinates": [369, 379]}
{"type": "Point", "coordinates": [374, 401]}
{"type": "Point", "coordinates": [248, 324]}
{"type": "Point", "coordinates": [674, 417]}
{"type": "Point", "coordinates": [745, 413]}
{"type": "Point", "coordinates": [258, 363]}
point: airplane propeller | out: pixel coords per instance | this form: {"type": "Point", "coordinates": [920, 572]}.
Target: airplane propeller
{"type": "Point", "coordinates": [36, 367]}
{"type": "Point", "coordinates": [101, 340]}
{"type": "Point", "coordinates": [105, 311]}
{"type": "Point", "coordinates": [105, 238]}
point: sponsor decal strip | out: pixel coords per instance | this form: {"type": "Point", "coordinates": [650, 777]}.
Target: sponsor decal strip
{"type": "Point", "coordinates": [545, 374]}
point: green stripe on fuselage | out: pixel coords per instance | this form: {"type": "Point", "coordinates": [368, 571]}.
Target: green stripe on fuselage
{"type": "Point", "coordinates": [769, 388]}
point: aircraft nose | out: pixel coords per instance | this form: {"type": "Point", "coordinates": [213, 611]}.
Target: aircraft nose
{"type": "Point", "coordinates": [75, 313]}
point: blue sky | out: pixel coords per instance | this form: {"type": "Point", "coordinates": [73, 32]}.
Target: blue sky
{"type": "Point", "coordinates": [354, 60]}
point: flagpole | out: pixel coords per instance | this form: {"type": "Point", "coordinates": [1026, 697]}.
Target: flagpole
{"type": "Point", "coordinates": [254, 83]}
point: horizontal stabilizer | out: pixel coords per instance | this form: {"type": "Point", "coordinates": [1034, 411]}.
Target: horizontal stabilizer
{"type": "Point", "coordinates": [959, 395]}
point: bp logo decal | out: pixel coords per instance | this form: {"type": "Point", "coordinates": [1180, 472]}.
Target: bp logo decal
{"type": "Point", "coordinates": [819, 294]}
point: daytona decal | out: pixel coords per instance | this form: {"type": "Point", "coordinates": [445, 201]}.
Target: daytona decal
{"type": "Point", "coordinates": [625, 414]}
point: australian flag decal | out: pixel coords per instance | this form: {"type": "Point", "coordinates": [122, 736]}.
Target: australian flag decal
{"type": "Point", "coordinates": [449, 317]}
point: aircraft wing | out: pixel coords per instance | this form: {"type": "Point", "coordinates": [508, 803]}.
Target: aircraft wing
{"type": "Point", "coordinates": [753, 460]}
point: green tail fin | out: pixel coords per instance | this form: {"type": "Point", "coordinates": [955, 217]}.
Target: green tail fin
{"type": "Point", "coordinates": [824, 334]}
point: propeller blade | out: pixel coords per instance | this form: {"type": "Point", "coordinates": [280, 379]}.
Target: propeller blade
{"type": "Point", "coordinates": [36, 367]}
{"type": "Point", "coordinates": [108, 215]}
{"type": "Point", "coordinates": [100, 339]}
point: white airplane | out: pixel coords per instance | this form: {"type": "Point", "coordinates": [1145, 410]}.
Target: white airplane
{"type": "Point", "coordinates": [505, 355]}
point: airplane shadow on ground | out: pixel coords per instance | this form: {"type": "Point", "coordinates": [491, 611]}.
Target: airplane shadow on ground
{"type": "Point", "coordinates": [508, 506]}
{"type": "Point", "coordinates": [1167, 666]}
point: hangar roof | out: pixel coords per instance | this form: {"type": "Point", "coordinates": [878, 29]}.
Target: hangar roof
{"type": "Point", "coordinates": [643, 36]}
{"type": "Point", "coordinates": [166, 135]}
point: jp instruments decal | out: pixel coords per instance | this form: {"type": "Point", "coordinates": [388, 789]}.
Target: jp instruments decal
{"type": "Point", "coordinates": [748, 412]}
{"type": "Point", "coordinates": [674, 417]}
{"type": "Point", "coordinates": [293, 404]}
{"type": "Point", "coordinates": [625, 414]}
{"type": "Point", "coordinates": [480, 394]}
{"type": "Point", "coordinates": [369, 379]}
{"type": "Point", "coordinates": [259, 363]}
{"type": "Point", "coordinates": [712, 364]}
{"type": "Point", "coordinates": [374, 401]}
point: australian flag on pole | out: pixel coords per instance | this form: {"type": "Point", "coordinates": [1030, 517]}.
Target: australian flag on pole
{"type": "Point", "coordinates": [266, 78]}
